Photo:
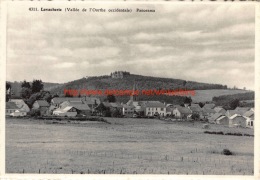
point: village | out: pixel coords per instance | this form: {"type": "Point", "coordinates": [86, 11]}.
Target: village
{"type": "Point", "coordinates": [92, 106]}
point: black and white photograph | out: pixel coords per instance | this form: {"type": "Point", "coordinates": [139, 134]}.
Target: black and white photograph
{"type": "Point", "coordinates": [130, 88]}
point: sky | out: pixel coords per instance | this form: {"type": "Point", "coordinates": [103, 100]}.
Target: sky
{"type": "Point", "coordinates": [211, 43]}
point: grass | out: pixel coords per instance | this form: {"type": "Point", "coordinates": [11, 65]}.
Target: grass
{"type": "Point", "coordinates": [126, 146]}
{"type": "Point", "coordinates": [207, 95]}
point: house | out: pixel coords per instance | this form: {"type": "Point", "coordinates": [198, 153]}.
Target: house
{"type": "Point", "coordinates": [230, 113]}
{"type": "Point", "coordinates": [214, 117]}
{"type": "Point", "coordinates": [222, 120]}
{"type": "Point", "coordinates": [128, 110]}
{"type": "Point", "coordinates": [221, 110]}
{"type": "Point", "coordinates": [181, 112]}
{"type": "Point", "coordinates": [81, 107]}
{"type": "Point", "coordinates": [12, 109]}
{"type": "Point", "coordinates": [207, 112]}
{"type": "Point", "coordinates": [42, 106]}
{"type": "Point", "coordinates": [237, 120]}
{"type": "Point", "coordinates": [21, 105]}
{"type": "Point", "coordinates": [58, 100]}
{"type": "Point", "coordinates": [154, 109]}
{"type": "Point", "coordinates": [209, 106]}
{"type": "Point", "coordinates": [68, 111]}
{"type": "Point", "coordinates": [242, 110]}
{"type": "Point", "coordinates": [250, 116]}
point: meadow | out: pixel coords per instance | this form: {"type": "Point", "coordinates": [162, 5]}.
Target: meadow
{"type": "Point", "coordinates": [126, 146]}
{"type": "Point", "coordinates": [207, 95]}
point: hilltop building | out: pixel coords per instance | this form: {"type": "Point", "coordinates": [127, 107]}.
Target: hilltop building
{"type": "Point", "coordinates": [119, 74]}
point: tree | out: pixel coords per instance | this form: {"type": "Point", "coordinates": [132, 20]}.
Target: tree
{"type": "Point", "coordinates": [37, 86]}
{"type": "Point", "coordinates": [201, 104]}
{"type": "Point", "coordinates": [26, 93]}
{"type": "Point", "coordinates": [195, 116]}
{"type": "Point", "coordinates": [8, 91]}
{"type": "Point", "coordinates": [111, 98]}
{"type": "Point", "coordinates": [187, 100]}
{"type": "Point", "coordinates": [234, 103]}
{"type": "Point", "coordinates": [25, 84]}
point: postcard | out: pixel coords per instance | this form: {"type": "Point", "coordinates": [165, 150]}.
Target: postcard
{"type": "Point", "coordinates": [129, 90]}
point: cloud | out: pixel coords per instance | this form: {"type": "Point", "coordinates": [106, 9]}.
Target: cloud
{"type": "Point", "coordinates": [201, 43]}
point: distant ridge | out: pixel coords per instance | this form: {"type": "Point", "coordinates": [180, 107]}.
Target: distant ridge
{"type": "Point", "coordinates": [127, 82]}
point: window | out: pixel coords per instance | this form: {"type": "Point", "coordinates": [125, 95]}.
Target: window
{"type": "Point", "coordinates": [252, 123]}
{"type": "Point", "coordinates": [161, 109]}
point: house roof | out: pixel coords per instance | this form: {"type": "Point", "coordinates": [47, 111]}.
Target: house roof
{"type": "Point", "coordinates": [155, 104]}
{"type": "Point", "coordinates": [208, 110]}
{"type": "Point", "coordinates": [195, 109]}
{"type": "Point", "coordinates": [116, 105]}
{"type": "Point", "coordinates": [218, 109]}
{"type": "Point", "coordinates": [195, 105]}
{"type": "Point", "coordinates": [67, 108]}
{"type": "Point", "coordinates": [230, 113]}
{"type": "Point", "coordinates": [221, 117]}
{"type": "Point", "coordinates": [249, 113]}
{"type": "Point", "coordinates": [58, 100]}
{"type": "Point", "coordinates": [183, 110]}
{"type": "Point", "coordinates": [106, 104]}
{"type": "Point", "coordinates": [10, 105]}
{"type": "Point", "coordinates": [81, 107]}
{"type": "Point", "coordinates": [215, 116]}
{"type": "Point", "coordinates": [210, 106]}
{"type": "Point", "coordinates": [42, 103]}
{"type": "Point", "coordinates": [242, 109]}
{"type": "Point", "coordinates": [236, 115]}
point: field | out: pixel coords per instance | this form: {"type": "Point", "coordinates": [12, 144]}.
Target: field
{"type": "Point", "coordinates": [126, 146]}
{"type": "Point", "coordinates": [207, 95]}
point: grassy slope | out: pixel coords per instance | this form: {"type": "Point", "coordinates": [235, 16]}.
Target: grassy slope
{"type": "Point", "coordinates": [207, 95]}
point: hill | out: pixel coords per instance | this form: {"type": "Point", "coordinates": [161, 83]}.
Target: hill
{"type": "Point", "coordinates": [207, 95]}
{"type": "Point", "coordinates": [127, 83]}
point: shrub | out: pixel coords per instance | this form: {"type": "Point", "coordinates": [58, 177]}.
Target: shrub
{"type": "Point", "coordinates": [227, 152]}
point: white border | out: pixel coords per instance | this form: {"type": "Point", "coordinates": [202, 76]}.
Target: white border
{"type": "Point", "coordinates": [3, 175]}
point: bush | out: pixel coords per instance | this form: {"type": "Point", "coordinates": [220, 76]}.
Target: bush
{"type": "Point", "coordinates": [227, 152]}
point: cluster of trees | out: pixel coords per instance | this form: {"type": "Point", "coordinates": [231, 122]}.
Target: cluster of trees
{"type": "Point", "coordinates": [230, 102]}
{"type": "Point", "coordinates": [32, 92]}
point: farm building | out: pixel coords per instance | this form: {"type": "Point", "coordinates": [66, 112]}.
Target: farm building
{"type": "Point", "coordinates": [12, 109]}
{"type": "Point", "coordinates": [81, 107]}
{"type": "Point", "coordinates": [154, 108]}
{"type": "Point", "coordinates": [181, 112]}
{"type": "Point", "coordinates": [222, 120]}
{"type": "Point", "coordinates": [42, 106]}
{"type": "Point", "coordinates": [237, 120]}
{"type": "Point", "coordinates": [214, 117]}
{"type": "Point", "coordinates": [20, 104]}
{"type": "Point", "coordinates": [221, 110]}
{"type": "Point", "coordinates": [68, 111]}
{"type": "Point", "coordinates": [250, 116]}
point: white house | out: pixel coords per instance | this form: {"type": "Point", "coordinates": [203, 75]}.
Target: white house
{"type": "Point", "coordinates": [250, 116]}
{"type": "Point", "coordinates": [154, 109]}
